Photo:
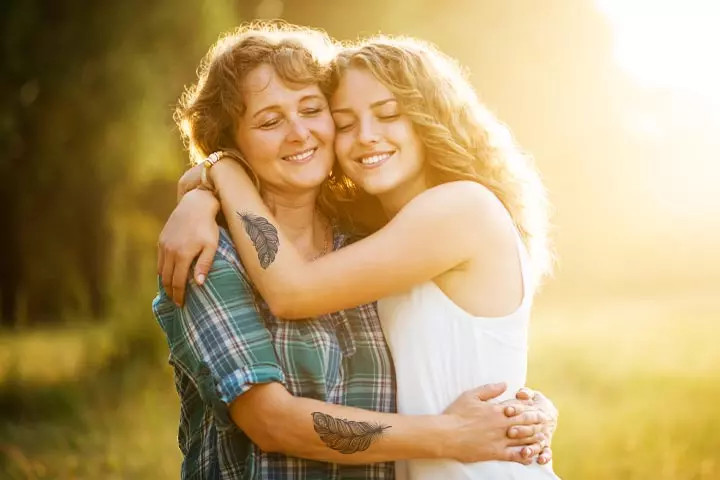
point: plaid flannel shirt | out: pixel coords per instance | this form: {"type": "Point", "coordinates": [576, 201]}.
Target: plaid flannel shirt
{"type": "Point", "coordinates": [224, 340]}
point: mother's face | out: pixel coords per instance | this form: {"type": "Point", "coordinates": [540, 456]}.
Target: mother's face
{"type": "Point", "coordinates": [286, 133]}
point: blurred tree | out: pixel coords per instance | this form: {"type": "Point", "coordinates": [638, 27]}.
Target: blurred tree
{"type": "Point", "coordinates": [85, 128]}
{"type": "Point", "coordinates": [89, 153]}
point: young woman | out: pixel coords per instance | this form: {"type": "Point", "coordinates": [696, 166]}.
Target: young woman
{"type": "Point", "coordinates": [321, 389]}
{"type": "Point", "coordinates": [456, 265]}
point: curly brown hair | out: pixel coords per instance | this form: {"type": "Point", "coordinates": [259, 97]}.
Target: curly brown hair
{"type": "Point", "coordinates": [208, 112]}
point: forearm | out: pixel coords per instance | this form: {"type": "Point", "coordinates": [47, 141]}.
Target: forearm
{"type": "Point", "coordinates": [299, 427]}
{"type": "Point", "coordinates": [387, 262]}
{"type": "Point", "coordinates": [279, 284]}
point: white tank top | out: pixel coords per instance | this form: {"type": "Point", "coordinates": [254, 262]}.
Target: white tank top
{"type": "Point", "coordinates": [440, 351]}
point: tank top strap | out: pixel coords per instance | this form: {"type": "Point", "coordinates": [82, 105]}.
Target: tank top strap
{"type": "Point", "coordinates": [526, 272]}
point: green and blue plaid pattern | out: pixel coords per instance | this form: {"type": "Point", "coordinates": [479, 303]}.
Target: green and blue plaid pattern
{"type": "Point", "coordinates": [224, 340]}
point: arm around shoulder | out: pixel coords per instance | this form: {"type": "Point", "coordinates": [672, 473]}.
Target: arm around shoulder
{"type": "Point", "coordinates": [438, 230]}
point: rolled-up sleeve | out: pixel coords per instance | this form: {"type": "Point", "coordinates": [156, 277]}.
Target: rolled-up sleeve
{"type": "Point", "coordinates": [220, 325]}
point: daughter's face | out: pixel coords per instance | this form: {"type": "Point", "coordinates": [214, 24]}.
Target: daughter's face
{"type": "Point", "coordinates": [375, 143]}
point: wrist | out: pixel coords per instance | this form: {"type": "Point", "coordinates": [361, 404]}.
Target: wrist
{"type": "Point", "coordinates": [442, 437]}
{"type": "Point", "coordinates": [207, 199]}
{"type": "Point", "coordinates": [228, 172]}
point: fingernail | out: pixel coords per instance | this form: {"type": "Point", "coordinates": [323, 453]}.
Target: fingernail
{"type": "Point", "coordinates": [200, 279]}
{"type": "Point", "coordinates": [527, 452]}
{"type": "Point", "coordinates": [511, 411]}
{"type": "Point", "coordinates": [513, 432]}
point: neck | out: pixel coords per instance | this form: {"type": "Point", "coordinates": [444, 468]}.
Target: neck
{"type": "Point", "coordinates": [297, 216]}
{"type": "Point", "coordinates": [394, 200]}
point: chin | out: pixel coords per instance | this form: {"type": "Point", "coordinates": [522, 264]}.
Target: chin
{"type": "Point", "coordinates": [378, 184]}
{"type": "Point", "coordinates": [308, 181]}
{"type": "Point", "coordinates": [314, 172]}
{"type": "Point", "coordinates": [374, 188]}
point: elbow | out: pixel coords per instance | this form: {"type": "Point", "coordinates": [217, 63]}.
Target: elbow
{"type": "Point", "coordinates": [278, 305]}
{"type": "Point", "coordinates": [271, 436]}
{"type": "Point", "coordinates": [267, 442]}
{"type": "Point", "coordinates": [265, 439]}
{"type": "Point", "coordinates": [258, 431]}
{"type": "Point", "coordinates": [261, 427]}
{"type": "Point", "coordinates": [291, 297]}
{"type": "Point", "coordinates": [285, 303]}
{"type": "Point", "coordinates": [287, 310]}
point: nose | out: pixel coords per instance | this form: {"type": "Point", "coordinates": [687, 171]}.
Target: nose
{"type": "Point", "coordinates": [367, 132]}
{"type": "Point", "coordinates": [299, 132]}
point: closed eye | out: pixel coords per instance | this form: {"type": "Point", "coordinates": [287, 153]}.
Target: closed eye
{"type": "Point", "coordinates": [311, 111]}
{"type": "Point", "coordinates": [270, 123]}
{"type": "Point", "coordinates": [343, 127]}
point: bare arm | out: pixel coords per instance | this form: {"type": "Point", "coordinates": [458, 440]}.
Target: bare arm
{"type": "Point", "coordinates": [190, 180]}
{"type": "Point", "coordinates": [471, 430]}
{"type": "Point", "coordinates": [437, 231]}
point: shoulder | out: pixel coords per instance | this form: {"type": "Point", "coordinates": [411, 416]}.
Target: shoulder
{"type": "Point", "coordinates": [469, 202]}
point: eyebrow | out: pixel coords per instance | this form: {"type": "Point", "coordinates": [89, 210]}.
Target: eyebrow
{"type": "Point", "coordinates": [372, 105]}
{"type": "Point", "coordinates": [275, 106]}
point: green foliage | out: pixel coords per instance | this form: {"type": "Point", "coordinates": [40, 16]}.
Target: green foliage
{"type": "Point", "coordinates": [89, 141]}
{"type": "Point", "coordinates": [110, 412]}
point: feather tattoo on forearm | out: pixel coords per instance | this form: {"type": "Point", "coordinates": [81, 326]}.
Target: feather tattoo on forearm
{"type": "Point", "coordinates": [346, 436]}
{"type": "Point", "coordinates": [263, 235]}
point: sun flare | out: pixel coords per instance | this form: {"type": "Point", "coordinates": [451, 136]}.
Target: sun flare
{"type": "Point", "coordinates": [668, 43]}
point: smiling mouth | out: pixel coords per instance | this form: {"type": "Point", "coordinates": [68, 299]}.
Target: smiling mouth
{"type": "Point", "coordinates": [301, 157]}
{"type": "Point", "coordinates": [375, 159]}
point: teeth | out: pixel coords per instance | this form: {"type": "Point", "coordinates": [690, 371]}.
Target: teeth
{"type": "Point", "coordinates": [375, 159]}
{"type": "Point", "coordinates": [299, 157]}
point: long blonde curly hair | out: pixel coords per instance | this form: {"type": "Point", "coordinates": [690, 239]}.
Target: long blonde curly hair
{"type": "Point", "coordinates": [462, 138]}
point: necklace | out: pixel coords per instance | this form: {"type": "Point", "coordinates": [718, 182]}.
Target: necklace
{"type": "Point", "coordinates": [326, 244]}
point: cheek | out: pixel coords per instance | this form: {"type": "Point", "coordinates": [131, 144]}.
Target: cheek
{"type": "Point", "coordinates": [343, 147]}
{"type": "Point", "coordinates": [413, 146]}
{"type": "Point", "coordinates": [260, 149]}
{"type": "Point", "coordinates": [325, 128]}
{"type": "Point", "coordinates": [257, 165]}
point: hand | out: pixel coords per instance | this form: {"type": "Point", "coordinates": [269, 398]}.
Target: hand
{"type": "Point", "coordinates": [190, 232]}
{"type": "Point", "coordinates": [190, 180]}
{"type": "Point", "coordinates": [481, 428]}
{"type": "Point", "coordinates": [528, 396]}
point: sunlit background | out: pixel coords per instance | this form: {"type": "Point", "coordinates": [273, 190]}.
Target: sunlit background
{"type": "Point", "coordinates": [618, 101]}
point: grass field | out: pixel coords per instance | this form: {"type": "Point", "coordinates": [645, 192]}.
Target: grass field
{"type": "Point", "coordinates": [637, 382]}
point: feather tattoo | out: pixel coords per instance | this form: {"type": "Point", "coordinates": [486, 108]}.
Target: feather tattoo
{"type": "Point", "coordinates": [346, 436]}
{"type": "Point", "coordinates": [263, 235]}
